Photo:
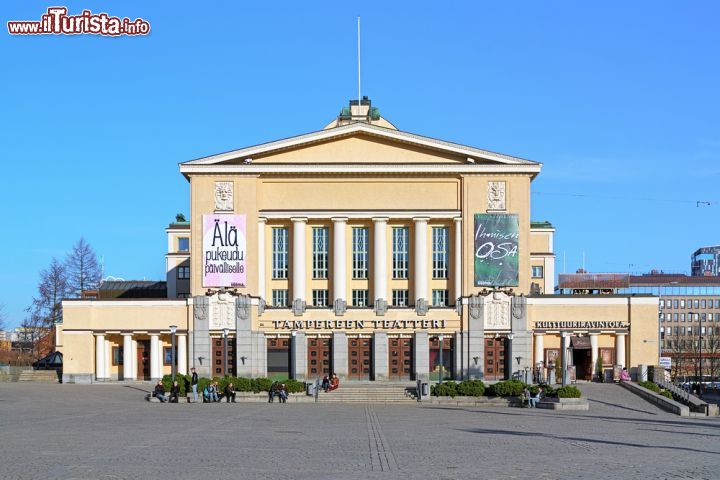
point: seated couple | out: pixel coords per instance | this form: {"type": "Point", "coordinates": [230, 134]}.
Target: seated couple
{"type": "Point", "coordinates": [279, 390]}
{"type": "Point", "coordinates": [532, 400]}
{"type": "Point", "coordinates": [330, 384]}
{"type": "Point", "coordinates": [159, 392]}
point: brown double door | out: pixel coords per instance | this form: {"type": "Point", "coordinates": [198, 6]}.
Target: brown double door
{"type": "Point", "coordinates": [359, 356]}
{"type": "Point", "coordinates": [218, 355]}
{"type": "Point", "coordinates": [495, 358]}
{"type": "Point", "coordinates": [318, 357]}
{"type": "Point", "coordinates": [400, 358]}
{"type": "Point", "coordinates": [143, 359]}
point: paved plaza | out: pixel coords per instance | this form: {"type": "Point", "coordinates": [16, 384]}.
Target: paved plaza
{"type": "Point", "coordinates": [109, 431]}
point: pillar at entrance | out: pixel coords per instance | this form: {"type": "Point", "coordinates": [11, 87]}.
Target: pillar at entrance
{"type": "Point", "coordinates": [154, 357]}
{"type": "Point", "coordinates": [539, 349]}
{"type": "Point", "coordinates": [128, 372]}
{"type": "Point", "coordinates": [182, 354]}
{"type": "Point", "coordinates": [594, 354]}
{"type": "Point", "coordinates": [340, 355]}
{"type": "Point", "coordinates": [620, 348]}
{"type": "Point", "coordinates": [380, 262]}
{"type": "Point", "coordinates": [339, 269]}
{"type": "Point", "coordinates": [421, 346]}
{"type": "Point", "coordinates": [261, 257]}
{"type": "Point", "coordinates": [380, 356]}
{"type": "Point", "coordinates": [457, 284]}
{"type": "Point", "coordinates": [298, 349]}
{"type": "Point", "coordinates": [421, 259]}
{"type": "Point", "coordinates": [100, 374]}
{"type": "Point", "coordinates": [299, 272]}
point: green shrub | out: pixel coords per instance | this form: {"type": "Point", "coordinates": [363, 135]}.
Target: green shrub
{"type": "Point", "coordinates": [261, 385]}
{"type": "Point", "coordinates": [650, 386]}
{"type": "Point", "coordinates": [508, 388]}
{"type": "Point", "coordinates": [183, 383]}
{"type": "Point", "coordinates": [446, 389]}
{"type": "Point", "coordinates": [667, 394]}
{"type": "Point", "coordinates": [548, 391]}
{"type": "Point", "coordinates": [244, 385]}
{"type": "Point", "coordinates": [294, 386]}
{"type": "Point", "coordinates": [471, 388]}
{"type": "Point", "coordinates": [568, 391]}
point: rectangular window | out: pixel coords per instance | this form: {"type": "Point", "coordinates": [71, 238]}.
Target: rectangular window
{"type": "Point", "coordinates": [183, 273]}
{"type": "Point", "coordinates": [682, 303]}
{"type": "Point", "coordinates": [676, 330]}
{"type": "Point", "coordinates": [439, 298]}
{"type": "Point", "coordinates": [359, 298]}
{"type": "Point", "coordinates": [320, 298]}
{"type": "Point", "coordinates": [279, 253]}
{"type": "Point", "coordinates": [675, 317]}
{"type": "Point", "coordinates": [710, 317]}
{"type": "Point", "coordinates": [717, 303]}
{"type": "Point", "coordinates": [537, 271]}
{"type": "Point", "coordinates": [399, 298]}
{"type": "Point", "coordinates": [440, 252]}
{"type": "Point", "coordinates": [360, 252]}
{"type": "Point", "coordinates": [662, 317]}
{"type": "Point", "coordinates": [703, 317]}
{"type": "Point", "coordinates": [682, 317]}
{"type": "Point", "coordinates": [400, 252]}
{"type": "Point", "coordinates": [704, 305]}
{"type": "Point", "coordinates": [697, 303]}
{"type": "Point", "coordinates": [682, 330]}
{"type": "Point", "coordinates": [320, 252]}
{"type": "Point", "coordinates": [183, 244]}
{"type": "Point", "coordinates": [280, 298]}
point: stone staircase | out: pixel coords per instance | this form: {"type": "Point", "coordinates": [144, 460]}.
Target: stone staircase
{"type": "Point", "coordinates": [370, 392]}
{"type": "Point", "coordinates": [48, 376]}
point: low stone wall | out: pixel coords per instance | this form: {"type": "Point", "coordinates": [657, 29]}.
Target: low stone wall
{"type": "Point", "coordinates": [9, 373]}
{"type": "Point", "coordinates": [663, 402]}
{"type": "Point", "coordinates": [574, 404]}
{"type": "Point", "coordinates": [474, 401]}
{"type": "Point", "coordinates": [245, 397]}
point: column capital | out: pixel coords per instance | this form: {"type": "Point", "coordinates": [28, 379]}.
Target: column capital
{"type": "Point", "coordinates": [298, 219]}
{"type": "Point", "coordinates": [619, 334]}
{"type": "Point", "coordinates": [262, 219]}
{"type": "Point", "coordinates": [594, 334]}
{"type": "Point", "coordinates": [457, 219]}
{"type": "Point", "coordinates": [99, 334]}
{"type": "Point", "coordinates": [421, 219]}
{"type": "Point", "coordinates": [539, 334]}
{"type": "Point", "coordinates": [339, 219]}
{"type": "Point", "coordinates": [380, 219]}
{"type": "Point", "coordinates": [126, 334]}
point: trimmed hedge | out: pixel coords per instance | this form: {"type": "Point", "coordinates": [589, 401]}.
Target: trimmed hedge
{"type": "Point", "coordinates": [507, 388]}
{"type": "Point", "coordinates": [568, 391]}
{"type": "Point", "coordinates": [466, 388]}
{"type": "Point", "coordinates": [241, 384]}
{"type": "Point", "coordinates": [650, 386]}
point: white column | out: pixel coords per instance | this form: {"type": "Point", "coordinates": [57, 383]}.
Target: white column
{"type": "Point", "coordinates": [261, 258]}
{"type": "Point", "coordinates": [128, 372]}
{"type": "Point", "coordinates": [182, 354]}
{"type": "Point", "coordinates": [620, 348]}
{"type": "Point", "coordinates": [154, 356]}
{"type": "Point", "coordinates": [134, 359]}
{"type": "Point", "coordinates": [339, 270]}
{"type": "Point", "coordinates": [594, 353]}
{"type": "Point", "coordinates": [421, 258]}
{"type": "Point", "coordinates": [100, 357]}
{"type": "Point", "coordinates": [108, 358]}
{"type": "Point", "coordinates": [539, 349]}
{"type": "Point", "coordinates": [299, 274]}
{"type": "Point", "coordinates": [458, 257]}
{"type": "Point", "coordinates": [380, 258]}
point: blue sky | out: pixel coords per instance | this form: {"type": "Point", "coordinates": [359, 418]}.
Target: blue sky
{"type": "Point", "coordinates": [618, 100]}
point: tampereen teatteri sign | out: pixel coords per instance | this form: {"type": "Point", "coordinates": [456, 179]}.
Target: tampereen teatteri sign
{"type": "Point", "coordinates": [496, 249]}
{"type": "Point", "coordinates": [224, 244]}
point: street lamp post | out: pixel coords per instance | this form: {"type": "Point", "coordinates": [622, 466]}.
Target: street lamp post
{"type": "Point", "coordinates": [700, 347]}
{"type": "Point", "coordinates": [441, 337]}
{"type": "Point", "coordinates": [173, 369]}
{"type": "Point", "coordinates": [225, 353]}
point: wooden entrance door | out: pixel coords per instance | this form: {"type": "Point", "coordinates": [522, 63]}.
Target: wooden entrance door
{"type": "Point", "coordinates": [218, 355]}
{"type": "Point", "coordinates": [495, 358]}
{"type": "Point", "coordinates": [448, 358]}
{"type": "Point", "coordinates": [143, 359]}
{"type": "Point", "coordinates": [400, 361]}
{"type": "Point", "coordinates": [318, 357]}
{"type": "Point", "coordinates": [359, 358]}
{"type": "Point", "coordinates": [278, 358]}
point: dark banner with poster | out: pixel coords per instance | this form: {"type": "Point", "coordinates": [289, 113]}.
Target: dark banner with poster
{"type": "Point", "coordinates": [496, 250]}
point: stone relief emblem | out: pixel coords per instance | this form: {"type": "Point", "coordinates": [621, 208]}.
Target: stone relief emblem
{"type": "Point", "coordinates": [224, 196]}
{"type": "Point", "coordinates": [222, 311]}
{"type": "Point", "coordinates": [497, 311]}
{"type": "Point", "coordinates": [496, 195]}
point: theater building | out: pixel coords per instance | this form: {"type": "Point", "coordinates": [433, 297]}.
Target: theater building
{"type": "Point", "coordinates": [360, 250]}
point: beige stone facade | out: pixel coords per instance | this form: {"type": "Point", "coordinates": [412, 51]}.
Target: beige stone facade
{"type": "Point", "coordinates": [359, 255]}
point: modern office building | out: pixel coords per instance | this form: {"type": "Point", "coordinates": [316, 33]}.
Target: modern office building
{"type": "Point", "coordinates": [361, 250]}
{"type": "Point", "coordinates": [705, 262]}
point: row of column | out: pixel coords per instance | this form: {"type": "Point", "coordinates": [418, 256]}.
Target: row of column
{"type": "Point", "coordinates": [380, 263]}
{"type": "Point", "coordinates": [103, 356]}
{"type": "Point", "coordinates": [594, 350]}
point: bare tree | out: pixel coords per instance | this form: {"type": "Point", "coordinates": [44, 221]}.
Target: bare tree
{"type": "Point", "coordinates": [46, 308]}
{"type": "Point", "coordinates": [712, 347]}
{"type": "Point", "coordinates": [83, 268]}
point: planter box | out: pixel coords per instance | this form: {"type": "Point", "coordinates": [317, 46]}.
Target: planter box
{"type": "Point", "coordinates": [575, 404]}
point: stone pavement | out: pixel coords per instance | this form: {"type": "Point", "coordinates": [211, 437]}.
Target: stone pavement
{"type": "Point", "coordinates": [109, 431]}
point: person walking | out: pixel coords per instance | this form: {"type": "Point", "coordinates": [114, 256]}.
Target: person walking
{"type": "Point", "coordinates": [194, 383]}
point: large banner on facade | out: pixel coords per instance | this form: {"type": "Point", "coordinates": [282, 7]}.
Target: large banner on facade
{"type": "Point", "coordinates": [224, 245]}
{"type": "Point", "coordinates": [496, 250]}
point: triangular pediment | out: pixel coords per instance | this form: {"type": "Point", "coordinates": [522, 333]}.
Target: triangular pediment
{"type": "Point", "coordinates": [359, 143]}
